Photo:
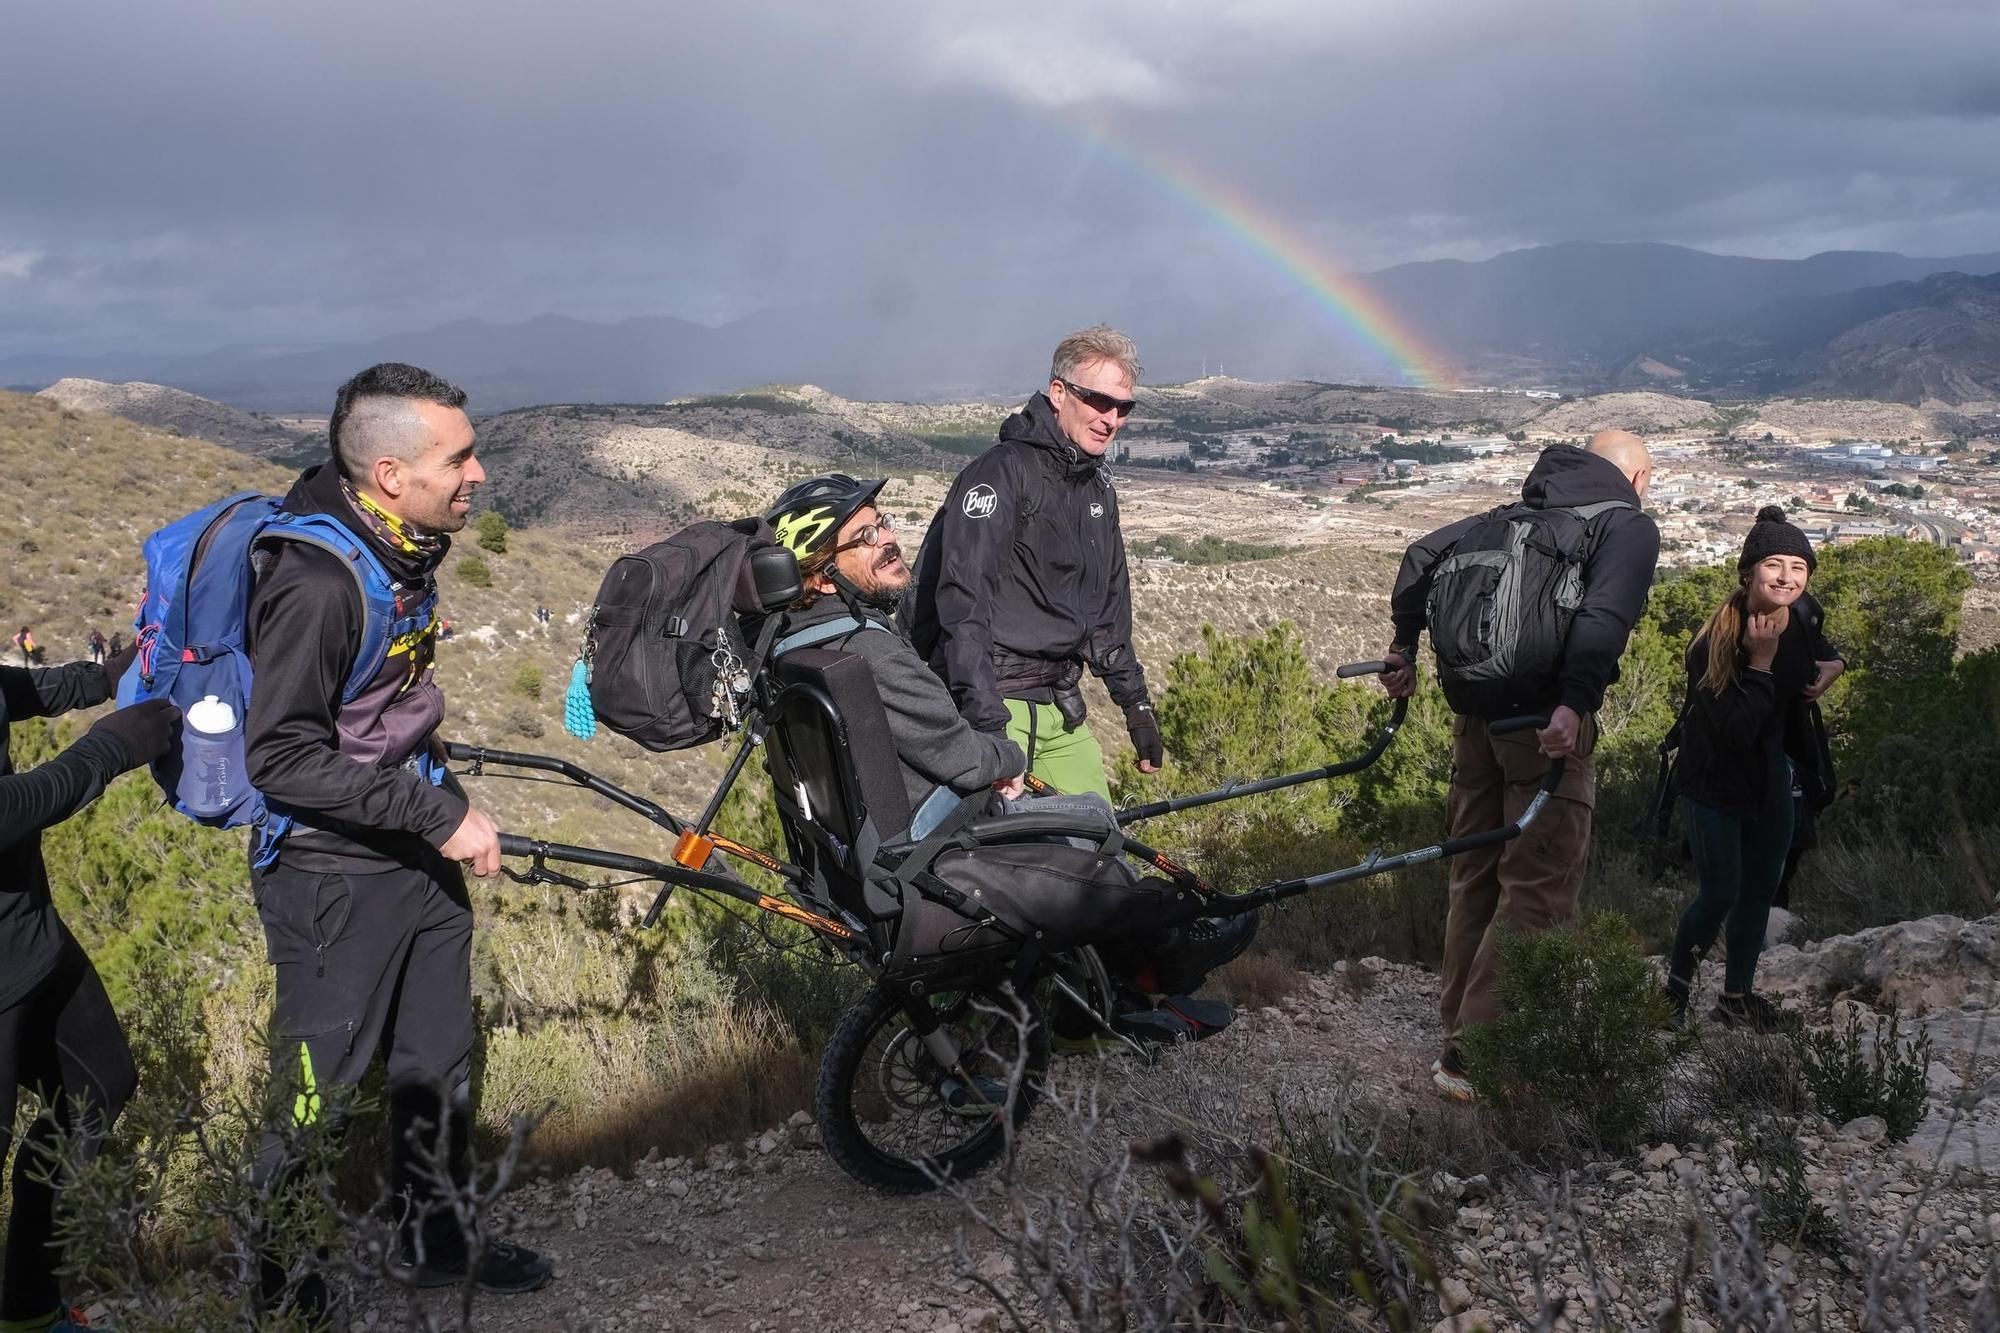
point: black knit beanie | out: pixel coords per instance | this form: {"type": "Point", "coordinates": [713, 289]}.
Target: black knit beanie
{"type": "Point", "coordinates": [1770, 535]}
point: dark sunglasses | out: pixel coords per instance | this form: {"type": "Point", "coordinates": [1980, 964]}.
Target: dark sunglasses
{"type": "Point", "coordinates": [1101, 402]}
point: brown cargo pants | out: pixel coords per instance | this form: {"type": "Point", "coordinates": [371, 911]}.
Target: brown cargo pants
{"type": "Point", "coordinates": [1528, 884]}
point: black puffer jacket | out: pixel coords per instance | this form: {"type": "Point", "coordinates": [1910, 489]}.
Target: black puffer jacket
{"type": "Point", "coordinates": [1022, 578]}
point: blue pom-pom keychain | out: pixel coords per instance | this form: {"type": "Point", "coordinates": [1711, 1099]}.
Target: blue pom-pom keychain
{"type": "Point", "coordinates": [579, 718]}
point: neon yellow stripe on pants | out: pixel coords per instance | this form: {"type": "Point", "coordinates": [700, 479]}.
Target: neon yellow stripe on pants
{"type": "Point", "coordinates": [306, 1110]}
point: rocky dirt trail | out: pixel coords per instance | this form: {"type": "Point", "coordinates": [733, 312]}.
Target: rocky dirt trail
{"type": "Point", "coordinates": [768, 1236]}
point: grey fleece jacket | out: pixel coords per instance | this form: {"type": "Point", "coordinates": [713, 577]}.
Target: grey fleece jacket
{"type": "Point", "coordinates": [937, 747]}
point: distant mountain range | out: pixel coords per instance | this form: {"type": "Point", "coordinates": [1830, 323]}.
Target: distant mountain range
{"type": "Point", "coordinates": [1582, 316]}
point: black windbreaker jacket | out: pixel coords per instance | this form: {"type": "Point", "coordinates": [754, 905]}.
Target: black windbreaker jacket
{"type": "Point", "coordinates": [1022, 576]}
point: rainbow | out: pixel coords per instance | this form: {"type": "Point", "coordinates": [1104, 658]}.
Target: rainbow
{"type": "Point", "coordinates": [1279, 245]}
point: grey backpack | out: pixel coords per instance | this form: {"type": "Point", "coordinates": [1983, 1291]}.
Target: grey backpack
{"type": "Point", "coordinates": [1500, 605]}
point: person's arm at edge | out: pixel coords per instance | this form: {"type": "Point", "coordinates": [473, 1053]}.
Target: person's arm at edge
{"type": "Point", "coordinates": [50, 793]}
{"type": "Point", "coordinates": [53, 691]}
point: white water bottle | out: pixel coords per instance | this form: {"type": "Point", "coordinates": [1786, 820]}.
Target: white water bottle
{"type": "Point", "coordinates": [211, 754]}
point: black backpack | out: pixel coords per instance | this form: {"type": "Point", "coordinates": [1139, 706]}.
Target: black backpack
{"type": "Point", "coordinates": [1500, 604]}
{"type": "Point", "coordinates": [665, 656]}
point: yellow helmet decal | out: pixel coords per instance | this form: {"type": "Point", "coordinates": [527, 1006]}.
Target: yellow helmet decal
{"type": "Point", "coordinates": [799, 533]}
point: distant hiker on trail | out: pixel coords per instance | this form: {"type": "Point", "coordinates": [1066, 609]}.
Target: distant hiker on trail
{"type": "Point", "coordinates": [117, 643]}
{"type": "Point", "coordinates": [1747, 735]}
{"type": "Point", "coordinates": [1575, 613]}
{"type": "Point", "coordinates": [542, 616]}
{"type": "Point", "coordinates": [59, 1038]}
{"type": "Point", "coordinates": [364, 908]}
{"type": "Point", "coordinates": [1022, 580]}
{"type": "Point", "coordinates": [24, 644]}
{"type": "Point", "coordinates": [97, 646]}
{"type": "Point", "coordinates": [854, 576]}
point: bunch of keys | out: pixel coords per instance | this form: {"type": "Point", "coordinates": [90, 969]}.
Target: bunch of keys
{"type": "Point", "coordinates": [732, 683]}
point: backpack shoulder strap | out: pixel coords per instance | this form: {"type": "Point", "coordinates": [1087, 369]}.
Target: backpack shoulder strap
{"type": "Point", "coordinates": [1590, 511]}
{"type": "Point", "coordinates": [820, 633]}
{"type": "Point", "coordinates": [371, 578]}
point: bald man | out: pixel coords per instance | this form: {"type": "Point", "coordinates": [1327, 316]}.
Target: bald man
{"type": "Point", "coordinates": [1533, 882]}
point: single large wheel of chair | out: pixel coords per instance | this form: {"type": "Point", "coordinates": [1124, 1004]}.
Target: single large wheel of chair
{"type": "Point", "coordinates": [893, 1117]}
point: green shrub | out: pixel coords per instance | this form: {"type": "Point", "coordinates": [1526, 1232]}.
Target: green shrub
{"type": "Point", "coordinates": [1885, 1080]}
{"type": "Point", "coordinates": [1787, 1212]}
{"type": "Point", "coordinates": [1205, 550]}
{"type": "Point", "coordinates": [1740, 1073]}
{"type": "Point", "coordinates": [475, 572]}
{"type": "Point", "coordinates": [1583, 1031]}
{"type": "Point", "coordinates": [527, 681]}
{"type": "Point", "coordinates": [492, 529]}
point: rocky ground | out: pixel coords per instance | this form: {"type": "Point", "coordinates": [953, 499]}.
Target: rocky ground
{"type": "Point", "coordinates": [769, 1235]}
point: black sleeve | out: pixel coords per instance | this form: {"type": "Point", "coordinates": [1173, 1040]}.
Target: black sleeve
{"type": "Point", "coordinates": [1734, 718]}
{"type": "Point", "coordinates": [1618, 578]}
{"type": "Point", "coordinates": [53, 691]}
{"type": "Point", "coordinates": [1109, 646]}
{"type": "Point", "coordinates": [304, 629]}
{"type": "Point", "coordinates": [31, 801]}
{"type": "Point", "coordinates": [1413, 580]}
{"type": "Point", "coordinates": [971, 550]}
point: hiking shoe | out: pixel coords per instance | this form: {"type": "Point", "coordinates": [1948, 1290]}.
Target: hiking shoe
{"type": "Point", "coordinates": [1198, 948]}
{"type": "Point", "coordinates": [1750, 1011]}
{"type": "Point", "coordinates": [507, 1270]}
{"type": "Point", "coordinates": [1448, 1076]}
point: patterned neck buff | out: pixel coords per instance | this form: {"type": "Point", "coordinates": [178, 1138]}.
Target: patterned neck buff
{"type": "Point", "coordinates": [392, 530]}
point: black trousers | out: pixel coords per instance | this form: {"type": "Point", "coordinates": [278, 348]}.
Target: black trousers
{"type": "Point", "coordinates": [368, 963]}
{"type": "Point", "coordinates": [62, 1041]}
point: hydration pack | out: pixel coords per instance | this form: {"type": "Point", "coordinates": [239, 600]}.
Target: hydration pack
{"type": "Point", "coordinates": [189, 632]}
{"type": "Point", "coordinates": [664, 658]}
{"type": "Point", "coordinates": [1500, 605]}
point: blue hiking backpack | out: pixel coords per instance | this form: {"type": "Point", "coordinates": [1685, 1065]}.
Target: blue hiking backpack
{"type": "Point", "coordinates": [190, 626]}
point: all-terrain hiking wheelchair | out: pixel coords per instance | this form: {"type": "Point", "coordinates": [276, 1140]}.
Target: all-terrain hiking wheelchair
{"type": "Point", "coordinates": [968, 933]}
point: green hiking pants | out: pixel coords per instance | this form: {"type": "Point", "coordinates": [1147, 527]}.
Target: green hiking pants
{"type": "Point", "coordinates": [1068, 759]}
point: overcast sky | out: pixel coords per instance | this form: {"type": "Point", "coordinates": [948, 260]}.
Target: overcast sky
{"type": "Point", "coordinates": [185, 173]}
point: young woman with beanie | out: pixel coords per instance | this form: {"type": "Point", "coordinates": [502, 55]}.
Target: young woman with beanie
{"type": "Point", "coordinates": [1751, 670]}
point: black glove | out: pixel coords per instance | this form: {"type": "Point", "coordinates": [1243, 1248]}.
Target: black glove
{"type": "Point", "coordinates": [119, 664]}
{"type": "Point", "coordinates": [143, 732]}
{"type": "Point", "coordinates": [1145, 732]}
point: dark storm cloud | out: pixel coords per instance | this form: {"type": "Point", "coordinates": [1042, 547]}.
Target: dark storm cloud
{"type": "Point", "coordinates": [179, 175]}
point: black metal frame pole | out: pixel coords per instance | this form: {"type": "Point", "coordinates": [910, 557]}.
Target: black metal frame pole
{"type": "Point", "coordinates": [1230, 791]}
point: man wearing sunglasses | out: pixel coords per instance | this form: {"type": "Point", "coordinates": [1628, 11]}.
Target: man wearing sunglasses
{"type": "Point", "coordinates": [1022, 580]}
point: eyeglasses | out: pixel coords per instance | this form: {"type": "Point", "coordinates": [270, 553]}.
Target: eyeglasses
{"type": "Point", "coordinates": [870, 534]}
{"type": "Point", "coordinates": [1101, 402]}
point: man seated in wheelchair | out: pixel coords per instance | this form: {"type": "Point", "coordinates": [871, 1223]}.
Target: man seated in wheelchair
{"type": "Point", "coordinates": [853, 573]}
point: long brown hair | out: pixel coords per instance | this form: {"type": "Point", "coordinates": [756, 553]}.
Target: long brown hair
{"type": "Point", "coordinates": [1724, 634]}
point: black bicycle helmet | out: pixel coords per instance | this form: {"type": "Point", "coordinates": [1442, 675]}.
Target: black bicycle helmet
{"type": "Point", "coordinates": [810, 512]}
